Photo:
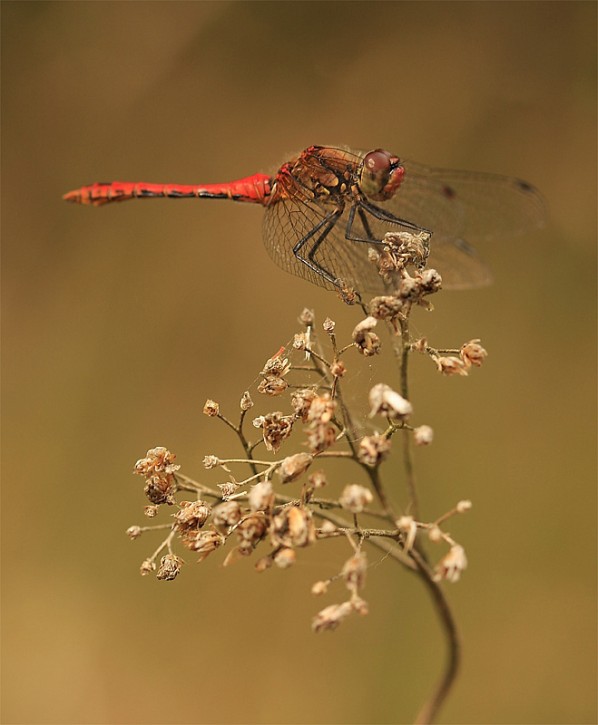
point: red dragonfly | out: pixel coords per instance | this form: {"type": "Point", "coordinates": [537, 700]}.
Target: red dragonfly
{"type": "Point", "coordinates": [327, 206]}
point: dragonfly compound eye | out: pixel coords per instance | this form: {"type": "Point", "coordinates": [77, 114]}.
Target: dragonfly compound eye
{"type": "Point", "coordinates": [381, 175]}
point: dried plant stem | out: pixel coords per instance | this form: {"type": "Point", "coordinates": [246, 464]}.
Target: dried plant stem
{"type": "Point", "coordinates": [405, 347]}
{"type": "Point", "coordinates": [431, 708]}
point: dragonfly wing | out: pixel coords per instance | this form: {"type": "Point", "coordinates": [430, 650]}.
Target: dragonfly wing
{"type": "Point", "coordinates": [287, 222]}
{"type": "Point", "coordinates": [462, 208]}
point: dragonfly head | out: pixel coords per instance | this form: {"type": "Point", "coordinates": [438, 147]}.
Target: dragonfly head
{"type": "Point", "coordinates": [381, 175]}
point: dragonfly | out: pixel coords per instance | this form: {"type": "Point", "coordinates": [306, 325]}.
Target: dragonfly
{"type": "Point", "coordinates": [328, 206]}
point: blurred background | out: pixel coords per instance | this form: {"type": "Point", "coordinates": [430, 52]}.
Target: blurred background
{"type": "Point", "coordinates": [120, 322]}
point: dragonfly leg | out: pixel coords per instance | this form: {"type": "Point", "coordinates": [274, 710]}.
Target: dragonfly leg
{"type": "Point", "coordinates": [381, 215]}
{"type": "Point", "coordinates": [322, 229]}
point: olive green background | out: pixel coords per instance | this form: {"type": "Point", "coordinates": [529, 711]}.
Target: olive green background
{"type": "Point", "coordinates": [120, 322]}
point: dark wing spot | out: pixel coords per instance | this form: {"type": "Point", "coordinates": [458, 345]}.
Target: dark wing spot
{"type": "Point", "coordinates": [465, 247]}
{"type": "Point", "coordinates": [449, 192]}
{"type": "Point", "coordinates": [524, 186]}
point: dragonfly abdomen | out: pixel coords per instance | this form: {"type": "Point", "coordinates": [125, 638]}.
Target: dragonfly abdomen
{"type": "Point", "coordinates": [254, 189]}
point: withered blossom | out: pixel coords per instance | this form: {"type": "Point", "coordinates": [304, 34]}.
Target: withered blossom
{"type": "Point", "coordinates": [276, 428]}
{"type": "Point", "coordinates": [372, 450]}
{"type": "Point", "coordinates": [386, 307]}
{"type": "Point", "coordinates": [251, 530]}
{"type": "Point", "coordinates": [161, 489]}
{"type": "Point", "coordinates": [367, 342]}
{"type": "Point", "coordinates": [284, 558]}
{"type": "Point", "coordinates": [170, 566]}
{"type": "Point", "coordinates": [430, 281]}
{"type": "Point", "coordinates": [320, 587]}
{"type": "Point", "coordinates": [330, 617]}
{"type": "Point", "coordinates": [354, 570]}
{"type": "Point", "coordinates": [322, 409]}
{"type": "Point", "coordinates": [293, 466]}
{"type": "Point", "coordinates": [451, 565]}
{"type": "Point", "coordinates": [190, 520]}
{"type": "Point", "coordinates": [408, 526]}
{"type": "Point", "coordinates": [450, 365]}
{"type": "Point", "coordinates": [211, 462]}
{"type": "Point", "coordinates": [423, 435]}
{"type": "Point", "coordinates": [272, 385]}
{"type": "Point", "coordinates": [300, 341]}
{"type": "Point", "coordinates": [150, 511]}
{"type": "Point", "coordinates": [157, 461]}
{"type": "Point", "coordinates": [192, 515]}
{"type": "Point", "coordinates": [277, 365]}
{"type": "Point", "coordinates": [320, 436]}
{"type": "Point", "coordinates": [134, 532]}
{"type": "Point", "coordinates": [226, 514]}
{"type": "Point", "coordinates": [205, 543]}
{"type": "Point", "coordinates": [228, 489]}
{"type": "Point", "coordinates": [307, 317]}
{"type": "Point", "coordinates": [301, 401]}
{"type": "Point", "coordinates": [329, 325]}
{"type": "Point", "coordinates": [293, 526]}
{"type": "Point", "coordinates": [463, 506]}
{"type": "Point", "coordinates": [385, 401]}
{"type": "Point", "coordinates": [147, 567]}
{"type": "Point", "coordinates": [261, 496]}
{"type": "Point", "coordinates": [338, 369]}
{"type": "Point", "coordinates": [211, 408]}
{"type": "Point", "coordinates": [246, 402]}
{"type": "Point", "coordinates": [472, 353]}
{"type": "Point", "coordinates": [355, 498]}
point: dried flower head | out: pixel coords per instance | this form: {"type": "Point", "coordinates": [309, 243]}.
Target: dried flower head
{"type": "Point", "coordinates": [329, 325]}
{"type": "Point", "coordinates": [320, 587]}
{"type": "Point", "coordinates": [226, 515]}
{"type": "Point", "coordinates": [385, 401]}
{"type": "Point", "coordinates": [272, 385]}
{"type": "Point", "coordinates": [261, 496]}
{"type": "Point", "coordinates": [386, 307]}
{"type": "Point", "coordinates": [472, 353]}
{"type": "Point", "coordinates": [372, 450]}
{"type": "Point", "coordinates": [204, 543]}
{"type": "Point", "coordinates": [157, 461]}
{"type": "Point", "coordinates": [277, 365]}
{"type": "Point", "coordinates": [284, 558]}
{"type": "Point", "coordinates": [451, 565]}
{"type": "Point", "coordinates": [246, 402]}
{"type": "Point", "coordinates": [170, 566]}
{"type": "Point", "coordinates": [192, 515]}
{"type": "Point", "coordinates": [338, 368]}
{"type": "Point", "coordinates": [276, 428]}
{"type": "Point", "coordinates": [293, 466]}
{"type": "Point", "coordinates": [307, 317]}
{"type": "Point", "coordinates": [293, 526]}
{"type": "Point", "coordinates": [330, 617]}
{"type": "Point", "coordinates": [211, 462]}
{"type": "Point", "coordinates": [211, 408]}
{"type": "Point", "coordinates": [301, 401]}
{"type": "Point", "coordinates": [134, 532]}
{"type": "Point", "coordinates": [147, 567]}
{"type": "Point", "coordinates": [367, 342]}
{"type": "Point", "coordinates": [250, 531]}
{"type": "Point", "coordinates": [354, 570]}
{"type": "Point", "coordinates": [355, 498]}
{"type": "Point", "coordinates": [150, 511]}
{"type": "Point", "coordinates": [407, 525]}
{"type": "Point", "coordinates": [423, 435]}
{"type": "Point", "coordinates": [450, 365]}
